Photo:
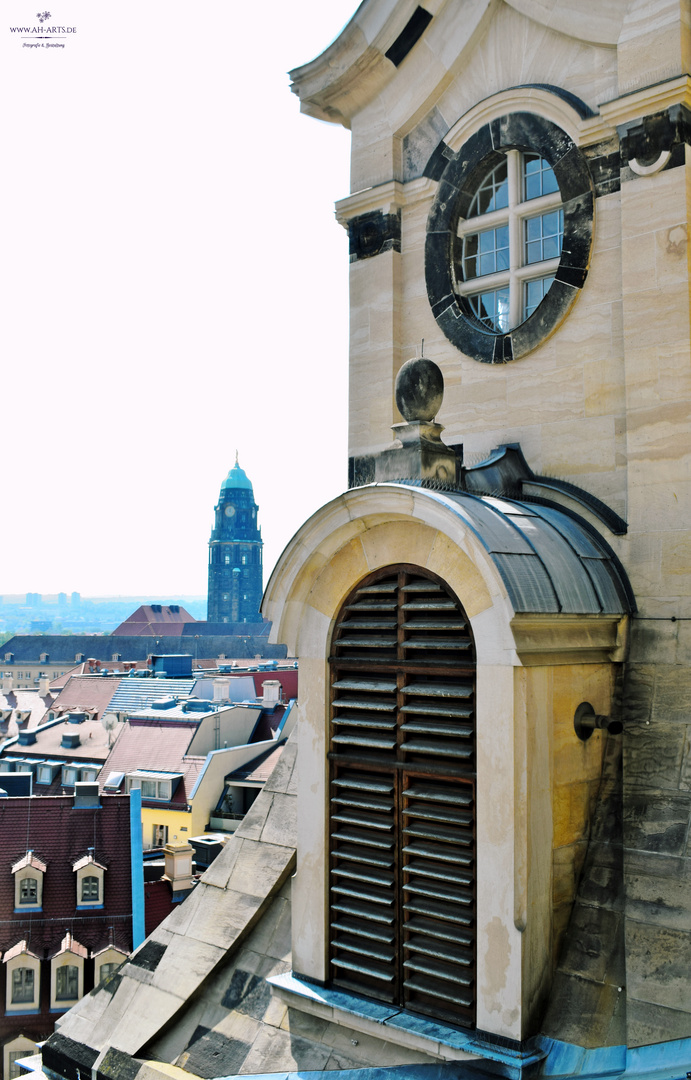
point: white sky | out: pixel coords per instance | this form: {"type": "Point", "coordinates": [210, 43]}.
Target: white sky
{"type": "Point", "coordinates": [174, 285]}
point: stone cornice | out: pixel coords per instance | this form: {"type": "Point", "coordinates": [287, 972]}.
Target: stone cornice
{"type": "Point", "coordinates": [354, 68]}
{"type": "Point", "coordinates": [641, 103]}
{"type": "Point", "coordinates": [388, 198]}
{"type": "Point", "coordinates": [547, 640]}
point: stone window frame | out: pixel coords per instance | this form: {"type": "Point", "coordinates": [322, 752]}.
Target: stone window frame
{"type": "Point", "coordinates": [513, 218]}
{"type": "Point", "coordinates": [22, 960]}
{"type": "Point", "coordinates": [530, 133]}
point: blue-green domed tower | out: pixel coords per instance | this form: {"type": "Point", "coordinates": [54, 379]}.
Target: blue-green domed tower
{"type": "Point", "coordinates": [235, 553]}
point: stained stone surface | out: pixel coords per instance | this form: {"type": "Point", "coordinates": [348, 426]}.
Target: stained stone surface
{"type": "Point", "coordinates": [419, 389]}
{"type": "Point", "coordinates": [587, 1003]}
{"type": "Point", "coordinates": [657, 857]}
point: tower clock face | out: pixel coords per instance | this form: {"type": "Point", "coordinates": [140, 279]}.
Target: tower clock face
{"type": "Point", "coordinates": [230, 511]}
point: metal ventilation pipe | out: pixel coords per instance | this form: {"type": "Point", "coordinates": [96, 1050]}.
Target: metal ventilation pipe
{"type": "Point", "coordinates": [586, 720]}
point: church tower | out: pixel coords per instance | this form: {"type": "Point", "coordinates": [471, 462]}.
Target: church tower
{"type": "Point", "coordinates": [235, 553]}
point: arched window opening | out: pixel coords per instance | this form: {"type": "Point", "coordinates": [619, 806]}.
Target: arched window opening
{"type": "Point", "coordinates": [402, 796]}
{"type": "Point", "coordinates": [28, 891]}
{"type": "Point", "coordinates": [67, 983]}
{"type": "Point", "coordinates": [90, 888]}
{"type": "Point", "coordinates": [22, 985]}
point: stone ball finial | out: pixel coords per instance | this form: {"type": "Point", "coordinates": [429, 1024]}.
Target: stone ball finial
{"type": "Point", "coordinates": [419, 389]}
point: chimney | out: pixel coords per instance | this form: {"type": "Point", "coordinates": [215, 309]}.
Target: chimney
{"type": "Point", "coordinates": [43, 684]}
{"type": "Point", "coordinates": [7, 684]}
{"type": "Point", "coordinates": [178, 861]}
{"type": "Point", "coordinates": [418, 452]}
{"type": "Point", "coordinates": [86, 795]}
{"type": "Point", "coordinates": [221, 688]}
{"type": "Point", "coordinates": [271, 693]}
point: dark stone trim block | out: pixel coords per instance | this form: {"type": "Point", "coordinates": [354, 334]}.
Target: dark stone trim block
{"type": "Point", "coordinates": [438, 161]}
{"type": "Point", "coordinates": [409, 36]}
{"type": "Point", "coordinates": [604, 162]}
{"type": "Point", "coordinates": [67, 1057]}
{"type": "Point", "coordinates": [117, 1065]}
{"type": "Point", "coordinates": [645, 139]}
{"type": "Point", "coordinates": [149, 956]}
{"type": "Point", "coordinates": [370, 234]}
{"type": "Point", "coordinates": [457, 185]}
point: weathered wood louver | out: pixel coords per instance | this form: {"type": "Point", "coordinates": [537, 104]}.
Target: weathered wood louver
{"type": "Point", "coordinates": [402, 751]}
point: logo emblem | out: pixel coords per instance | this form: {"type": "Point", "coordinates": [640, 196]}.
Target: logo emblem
{"type": "Point", "coordinates": [43, 15]}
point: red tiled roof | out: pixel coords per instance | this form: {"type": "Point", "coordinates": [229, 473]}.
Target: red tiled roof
{"type": "Point", "coordinates": [154, 629]}
{"type": "Point", "coordinates": [145, 621]}
{"type": "Point", "coordinates": [94, 743]}
{"type": "Point", "coordinates": [92, 693]}
{"type": "Point", "coordinates": [70, 944]}
{"type": "Point", "coordinates": [26, 700]}
{"type": "Point", "coordinates": [18, 949]}
{"type": "Point", "coordinates": [113, 667]}
{"type": "Point", "coordinates": [30, 859]}
{"type": "Point", "coordinates": [154, 744]}
{"type": "Point", "coordinates": [267, 724]}
{"type": "Point", "coordinates": [158, 902]}
{"type": "Point", "coordinates": [60, 835]}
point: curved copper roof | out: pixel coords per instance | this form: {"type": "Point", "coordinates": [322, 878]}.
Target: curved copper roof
{"type": "Point", "coordinates": [549, 558]}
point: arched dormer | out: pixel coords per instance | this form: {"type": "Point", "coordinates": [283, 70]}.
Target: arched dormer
{"type": "Point", "coordinates": [547, 607]}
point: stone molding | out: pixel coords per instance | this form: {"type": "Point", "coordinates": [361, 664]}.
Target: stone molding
{"type": "Point", "coordinates": [582, 639]}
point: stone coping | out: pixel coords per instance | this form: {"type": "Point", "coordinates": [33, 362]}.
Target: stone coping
{"type": "Point", "coordinates": [427, 1035]}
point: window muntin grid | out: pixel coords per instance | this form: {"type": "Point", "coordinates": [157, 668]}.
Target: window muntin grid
{"type": "Point", "coordinates": [486, 252]}
{"type": "Point", "coordinates": [492, 308]}
{"type": "Point", "coordinates": [538, 177]}
{"type": "Point", "coordinates": [91, 888]}
{"type": "Point", "coordinates": [28, 891]}
{"type": "Point", "coordinates": [534, 291]}
{"type": "Point", "coordinates": [520, 203]}
{"type": "Point", "coordinates": [22, 985]}
{"type": "Point", "coordinates": [67, 983]}
{"type": "Point", "coordinates": [493, 193]}
{"type": "Point", "coordinates": [544, 236]}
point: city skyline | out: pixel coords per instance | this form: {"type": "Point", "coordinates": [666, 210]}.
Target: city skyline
{"type": "Point", "coordinates": [158, 236]}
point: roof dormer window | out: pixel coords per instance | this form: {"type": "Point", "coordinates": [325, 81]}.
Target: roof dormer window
{"type": "Point", "coordinates": [90, 881]}
{"type": "Point", "coordinates": [28, 883]}
{"type": "Point", "coordinates": [22, 979]}
{"type": "Point", "coordinates": [67, 974]}
{"type": "Point", "coordinates": [154, 785]}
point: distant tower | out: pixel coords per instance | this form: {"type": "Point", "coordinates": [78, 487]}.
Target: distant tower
{"type": "Point", "coordinates": [235, 553]}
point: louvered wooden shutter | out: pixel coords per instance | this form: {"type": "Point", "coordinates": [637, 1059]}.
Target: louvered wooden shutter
{"type": "Point", "coordinates": [402, 750]}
